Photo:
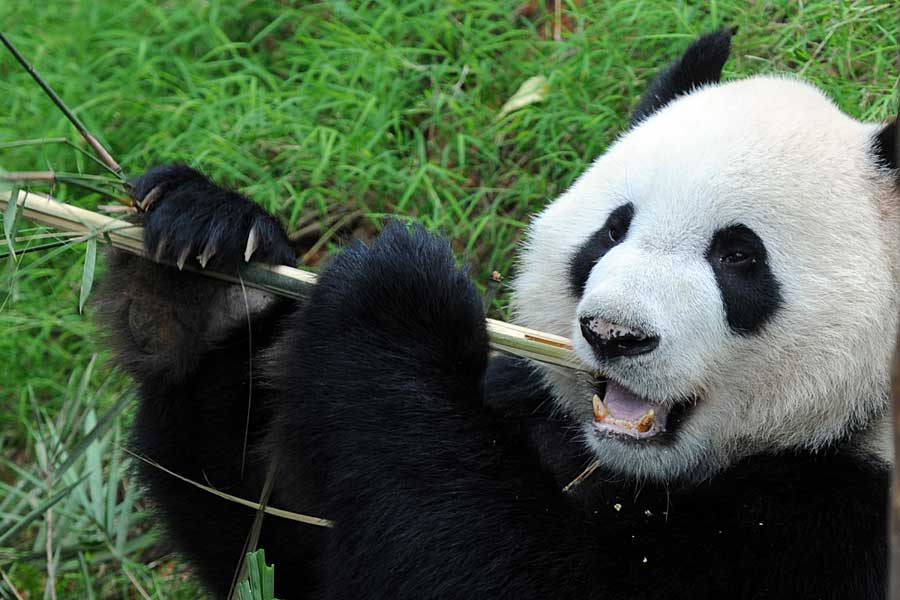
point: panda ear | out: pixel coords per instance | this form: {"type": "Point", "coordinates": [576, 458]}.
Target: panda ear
{"type": "Point", "coordinates": [700, 64]}
{"type": "Point", "coordinates": [885, 146]}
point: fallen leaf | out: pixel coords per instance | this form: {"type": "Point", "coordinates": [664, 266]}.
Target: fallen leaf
{"type": "Point", "coordinates": [534, 89]}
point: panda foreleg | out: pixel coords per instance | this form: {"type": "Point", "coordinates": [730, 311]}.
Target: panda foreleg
{"type": "Point", "coordinates": [378, 387]}
{"type": "Point", "coordinates": [192, 345]}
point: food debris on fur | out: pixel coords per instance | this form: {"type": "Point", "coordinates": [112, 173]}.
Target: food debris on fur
{"type": "Point", "coordinates": [584, 475]}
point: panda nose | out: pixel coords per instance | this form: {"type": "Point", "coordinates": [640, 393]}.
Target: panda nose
{"type": "Point", "coordinates": [610, 340]}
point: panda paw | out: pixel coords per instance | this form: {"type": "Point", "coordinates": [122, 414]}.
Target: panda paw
{"type": "Point", "coordinates": [188, 219]}
{"type": "Point", "coordinates": [406, 299]}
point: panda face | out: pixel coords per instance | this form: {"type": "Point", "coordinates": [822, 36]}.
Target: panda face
{"type": "Point", "coordinates": [728, 272]}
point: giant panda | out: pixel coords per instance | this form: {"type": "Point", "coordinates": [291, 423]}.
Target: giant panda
{"type": "Point", "coordinates": [728, 273]}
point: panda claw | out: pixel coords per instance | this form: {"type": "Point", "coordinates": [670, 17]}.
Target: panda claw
{"type": "Point", "coordinates": [160, 249]}
{"type": "Point", "coordinates": [182, 258]}
{"type": "Point", "coordinates": [208, 252]}
{"type": "Point", "coordinates": [252, 243]}
{"type": "Point", "coordinates": [151, 197]}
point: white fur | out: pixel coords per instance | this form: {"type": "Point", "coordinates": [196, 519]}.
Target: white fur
{"type": "Point", "coordinates": [777, 156]}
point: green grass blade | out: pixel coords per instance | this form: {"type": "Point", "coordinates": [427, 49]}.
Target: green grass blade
{"type": "Point", "coordinates": [260, 581]}
{"type": "Point", "coordinates": [86, 577]}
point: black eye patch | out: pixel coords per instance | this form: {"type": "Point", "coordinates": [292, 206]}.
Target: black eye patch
{"type": "Point", "coordinates": [601, 241]}
{"type": "Point", "coordinates": [750, 292]}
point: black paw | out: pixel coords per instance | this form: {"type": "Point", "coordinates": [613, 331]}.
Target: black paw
{"type": "Point", "coordinates": [190, 220]}
{"type": "Point", "coordinates": [403, 296]}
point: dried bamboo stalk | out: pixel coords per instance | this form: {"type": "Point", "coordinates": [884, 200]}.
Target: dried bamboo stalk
{"type": "Point", "coordinates": [281, 280]}
{"type": "Point", "coordinates": [92, 141]}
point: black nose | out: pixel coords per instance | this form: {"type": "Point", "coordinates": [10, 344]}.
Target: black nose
{"type": "Point", "coordinates": [610, 340]}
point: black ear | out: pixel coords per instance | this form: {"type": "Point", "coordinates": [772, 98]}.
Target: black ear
{"type": "Point", "coordinates": [885, 145]}
{"type": "Point", "coordinates": [700, 64]}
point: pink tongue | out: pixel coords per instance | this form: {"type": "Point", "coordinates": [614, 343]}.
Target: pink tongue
{"type": "Point", "coordinates": [625, 404]}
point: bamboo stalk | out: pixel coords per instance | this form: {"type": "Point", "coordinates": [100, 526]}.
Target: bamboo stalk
{"type": "Point", "coordinates": [280, 280]}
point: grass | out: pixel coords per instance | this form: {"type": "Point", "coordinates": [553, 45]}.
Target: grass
{"type": "Point", "coordinates": [390, 108]}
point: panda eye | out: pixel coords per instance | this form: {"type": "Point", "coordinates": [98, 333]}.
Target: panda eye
{"type": "Point", "coordinates": [738, 258]}
{"type": "Point", "coordinates": [736, 248]}
{"type": "Point", "coordinates": [617, 223]}
{"type": "Point", "coordinates": [615, 234]}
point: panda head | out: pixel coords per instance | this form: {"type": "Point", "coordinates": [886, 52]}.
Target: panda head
{"type": "Point", "coordinates": [727, 271]}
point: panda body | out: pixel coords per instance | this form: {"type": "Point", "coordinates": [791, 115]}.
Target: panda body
{"type": "Point", "coordinates": [730, 264]}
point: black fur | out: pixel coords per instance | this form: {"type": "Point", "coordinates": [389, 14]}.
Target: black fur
{"type": "Point", "coordinates": [613, 232]}
{"type": "Point", "coordinates": [194, 378]}
{"type": "Point", "coordinates": [750, 291]}
{"type": "Point", "coordinates": [443, 474]}
{"type": "Point", "coordinates": [700, 64]}
{"type": "Point", "coordinates": [886, 146]}
{"type": "Point", "coordinates": [527, 416]}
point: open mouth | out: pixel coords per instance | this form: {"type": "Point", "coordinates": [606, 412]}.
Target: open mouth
{"type": "Point", "coordinates": [621, 413]}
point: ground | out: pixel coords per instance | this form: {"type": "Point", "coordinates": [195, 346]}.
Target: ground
{"type": "Point", "coordinates": [338, 113]}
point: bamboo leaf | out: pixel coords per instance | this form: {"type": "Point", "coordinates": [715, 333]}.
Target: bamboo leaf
{"type": "Point", "coordinates": [100, 427]}
{"type": "Point", "coordinates": [123, 522]}
{"type": "Point", "coordinates": [113, 482]}
{"type": "Point", "coordinates": [93, 466]}
{"type": "Point", "coordinates": [38, 511]}
{"type": "Point", "coordinates": [87, 276]}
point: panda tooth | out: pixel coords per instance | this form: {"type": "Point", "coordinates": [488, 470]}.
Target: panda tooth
{"type": "Point", "coordinates": [646, 421]}
{"type": "Point", "coordinates": [600, 410]}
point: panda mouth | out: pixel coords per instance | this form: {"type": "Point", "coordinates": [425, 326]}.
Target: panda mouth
{"type": "Point", "coordinates": [619, 412]}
